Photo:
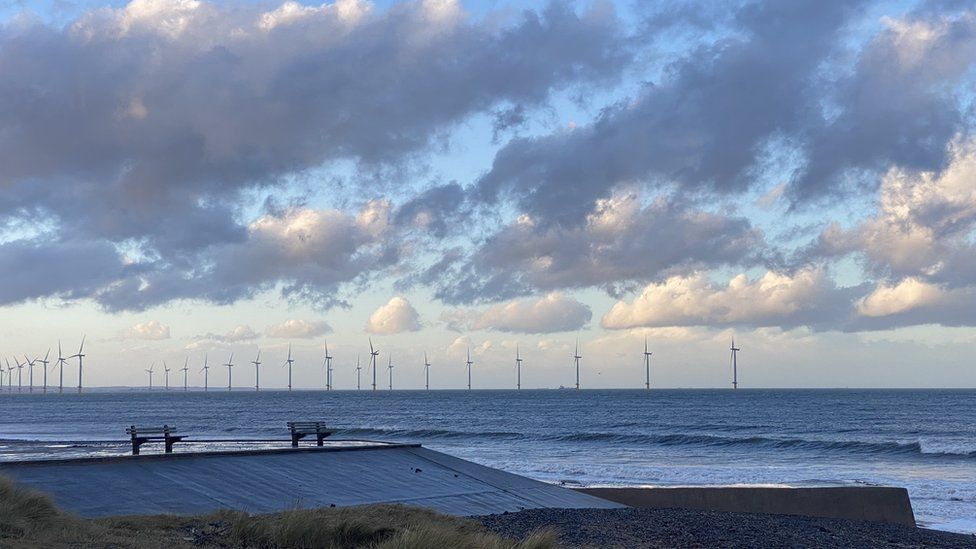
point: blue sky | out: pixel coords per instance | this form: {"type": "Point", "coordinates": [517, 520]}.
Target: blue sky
{"type": "Point", "coordinates": [188, 177]}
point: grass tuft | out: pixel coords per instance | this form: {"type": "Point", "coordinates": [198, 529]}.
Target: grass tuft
{"type": "Point", "coordinates": [30, 519]}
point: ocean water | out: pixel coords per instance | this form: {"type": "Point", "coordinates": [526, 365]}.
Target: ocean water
{"type": "Point", "coordinates": [924, 440]}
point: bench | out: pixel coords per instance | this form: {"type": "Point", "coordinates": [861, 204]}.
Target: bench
{"type": "Point", "coordinates": [142, 435]}
{"type": "Point", "coordinates": [300, 429]}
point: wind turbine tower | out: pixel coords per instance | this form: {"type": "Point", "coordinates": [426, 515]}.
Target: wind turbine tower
{"type": "Point", "coordinates": [426, 373]}
{"type": "Point", "coordinates": [390, 367]}
{"type": "Point", "coordinates": [30, 373]}
{"type": "Point", "coordinates": [20, 374]}
{"type": "Point", "coordinates": [166, 370]}
{"type": "Point", "coordinates": [257, 371]}
{"type": "Point", "coordinates": [469, 363]}
{"type": "Point", "coordinates": [328, 367]}
{"type": "Point", "coordinates": [184, 369]}
{"type": "Point", "coordinates": [373, 353]}
{"type": "Point", "coordinates": [577, 357]}
{"type": "Point", "coordinates": [206, 372]}
{"type": "Point", "coordinates": [647, 366]}
{"type": "Point", "coordinates": [45, 362]}
{"type": "Point", "coordinates": [150, 372]}
{"type": "Point", "coordinates": [230, 367]}
{"type": "Point", "coordinates": [735, 365]}
{"type": "Point", "coordinates": [80, 355]}
{"type": "Point", "coordinates": [61, 363]}
{"type": "Point", "coordinates": [289, 361]}
{"type": "Point", "coordinates": [518, 370]}
{"type": "Point", "coordinates": [359, 370]}
{"type": "Point", "coordinates": [10, 376]}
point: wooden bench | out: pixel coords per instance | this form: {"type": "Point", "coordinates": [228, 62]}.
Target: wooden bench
{"type": "Point", "coordinates": [300, 429]}
{"type": "Point", "coordinates": [142, 435]}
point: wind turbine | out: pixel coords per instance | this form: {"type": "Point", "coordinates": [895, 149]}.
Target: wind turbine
{"type": "Point", "coordinates": [184, 369]}
{"type": "Point", "coordinates": [373, 354]}
{"type": "Point", "coordinates": [289, 361]}
{"type": "Point", "coordinates": [647, 365]}
{"type": "Point", "coordinates": [735, 366]}
{"type": "Point", "coordinates": [30, 373]}
{"type": "Point", "coordinates": [518, 370]}
{"type": "Point", "coordinates": [150, 372]}
{"type": "Point", "coordinates": [469, 363]}
{"type": "Point", "coordinates": [230, 366]}
{"type": "Point", "coordinates": [166, 375]}
{"type": "Point", "coordinates": [390, 367]}
{"type": "Point", "coordinates": [20, 374]}
{"type": "Point", "coordinates": [45, 362]}
{"type": "Point", "coordinates": [206, 372]}
{"type": "Point", "coordinates": [10, 376]}
{"type": "Point", "coordinates": [80, 356]}
{"type": "Point", "coordinates": [358, 371]}
{"type": "Point", "coordinates": [577, 356]}
{"type": "Point", "coordinates": [257, 373]}
{"type": "Point", "coordinates": [61, 362]}
{"type": "Point", "coordinates": [426, 372]}
{"type": "Point", "coordinates": [328, 367]}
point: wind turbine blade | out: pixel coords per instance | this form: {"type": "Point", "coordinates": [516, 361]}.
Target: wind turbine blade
{"type": "Point", "coordinates": [82, 347]}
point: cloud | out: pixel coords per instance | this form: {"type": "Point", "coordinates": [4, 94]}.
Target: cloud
{"type": "Point", "coordinates": [908, 294]}
{"type": "Point", "coordinates": [922, 226]}
{"type": "Point", "coordinates": [552, 313]}
{"type": "Point", "coordinates": [397, 316]}
{"type": "Point", "coordinates": [150, 330]}
{"type": "Point", "coordinates": [295, 328]}
{"type": "Point", "coordinates": [187, 108]}
{"type": "Point", "coordinates": [621, 241]}
{"type": "Point", "coordinates": [77, 269]}
{"type": "Point", "coordinates": [241, 332]}
{"type": "Point", "coordinates": [806, 297]}
{"type": "Point", "coordinates": [773, 87]}
{"type": "Point", "coordinates": [310, 253]}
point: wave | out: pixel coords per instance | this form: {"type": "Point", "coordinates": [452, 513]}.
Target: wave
{"type": "Point", "coordinates": [852, 446]}
{"type": "Point", "coordinates": [915, 448]}
{"type": "Point", "coordinates": [429, 434]}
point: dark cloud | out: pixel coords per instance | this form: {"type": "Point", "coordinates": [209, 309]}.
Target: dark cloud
{"type": "Point", "coordinates": [775, 84]}
{"type": "Point", "coordinates": [621, 240]}
{"type": "Point", "coordinates": [67, 269]}
{"type": "Point", "coordinates": [145, 125]}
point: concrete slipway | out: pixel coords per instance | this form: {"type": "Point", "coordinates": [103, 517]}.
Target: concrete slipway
{"type": "Point", "coordinates": [263, 481]}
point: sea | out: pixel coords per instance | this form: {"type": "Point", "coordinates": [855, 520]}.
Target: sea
{"type": "Point", "coordinates": [924, 440]}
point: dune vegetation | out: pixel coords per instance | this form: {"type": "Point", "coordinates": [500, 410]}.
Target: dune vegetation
{"type": "Point", "coordinates": [30, 519]}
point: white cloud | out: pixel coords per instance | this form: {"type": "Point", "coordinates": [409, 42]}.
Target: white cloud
{"type": "Point", "coordinates": [241, 332]}
{"type": "Point", "coordinates": [773, 299]}
{"type": "Point", "coordinates": [397, 316]}
{"type": "Point", "coordinates": [296, 328]}
{"type": "Point", "coordinates": [150, 330]}
{"type": "Point", "coordinates": [555, 312]}
{"type": "Point", "coordinates": [908, 294]}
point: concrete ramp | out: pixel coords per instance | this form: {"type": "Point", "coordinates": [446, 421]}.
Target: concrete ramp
{"type": "Point", "coordinates": [263, 481]}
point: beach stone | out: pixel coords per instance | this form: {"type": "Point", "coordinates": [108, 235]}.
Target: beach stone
{"type": "Point", "coordinates": [639, 528]}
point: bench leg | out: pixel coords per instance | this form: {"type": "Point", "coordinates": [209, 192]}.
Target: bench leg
{"type": "Point", "coordinates": [318, 438]}
{"type": "Point", "coordinates": [295, 437]}
{"type": "Point", "coordinates": [169, 446]}
{"type": "Point", "coordinates": [136, 443]}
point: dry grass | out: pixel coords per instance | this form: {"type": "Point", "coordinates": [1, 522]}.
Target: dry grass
{"type": "Point", "coordinates": [29, 519]}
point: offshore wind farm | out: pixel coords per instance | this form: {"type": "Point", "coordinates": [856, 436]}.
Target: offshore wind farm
{"type": "Point", "coordinates": [288, 363]}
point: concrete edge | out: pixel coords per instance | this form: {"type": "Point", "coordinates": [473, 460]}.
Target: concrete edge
{"type": "Point", "coordinates": [371, 445]}
{"type": "Point", "coordinates": [868, 503]}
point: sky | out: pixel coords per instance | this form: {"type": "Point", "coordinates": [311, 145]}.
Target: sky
{"type": "Point", "coordinates": [191, 178]}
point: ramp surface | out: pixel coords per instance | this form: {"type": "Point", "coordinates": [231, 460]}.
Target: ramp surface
{"type": "Point", "coordinates": [273, 480]}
